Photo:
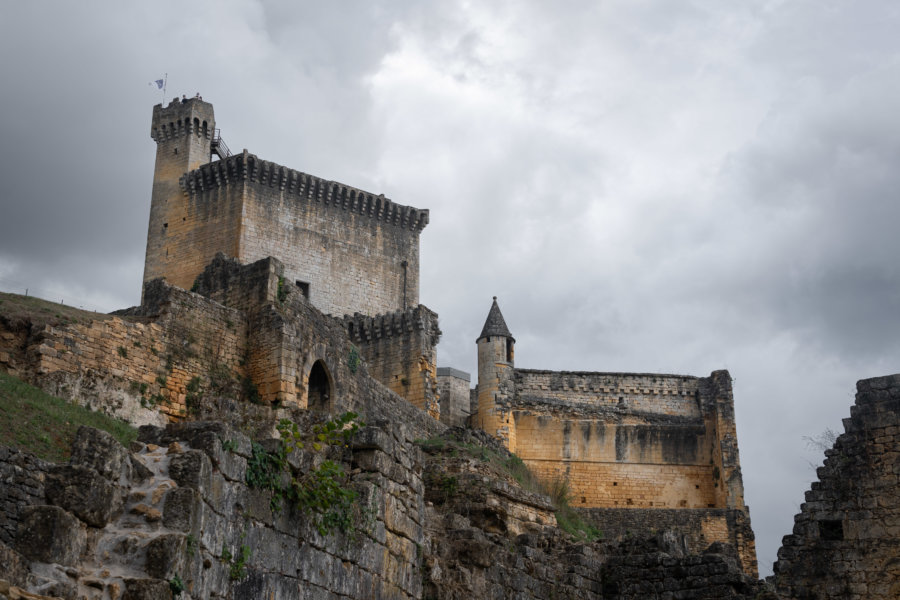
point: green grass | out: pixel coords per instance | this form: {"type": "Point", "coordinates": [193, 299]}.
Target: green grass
{"type": "Point", "coordinates": [45, 425]}
{"type": "Point", "coordinates": [15, 307]}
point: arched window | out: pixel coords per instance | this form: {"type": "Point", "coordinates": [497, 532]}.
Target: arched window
{"type": "Point", "coordinates": [196, 126]}
{"type": "Point", "coordinates": [319, 392]}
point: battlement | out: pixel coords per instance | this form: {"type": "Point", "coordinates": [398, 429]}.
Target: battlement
{"type": "Point", "coordinates": [363, 329]}
{"type": "Point", "coordinates": [249, 167]}
{"type": "Point", "coordinates": [182, 118]}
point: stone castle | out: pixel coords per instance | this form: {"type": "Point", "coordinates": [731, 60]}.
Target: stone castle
{"type": "Point", "coordinates": [271, 293]}
{"type": "Point", "coordinates": [632, 441]}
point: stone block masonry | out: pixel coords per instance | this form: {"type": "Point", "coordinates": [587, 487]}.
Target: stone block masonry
{"type": "Point", "coordinates": [345, 249]}
{"type": "Point", "coordinates": [22, 478]}
{"type": "Point", "coordinates": [456, 396]}
{"type": "Point", "coordinates": [846, 538]}
{"type": "Point", "coordinates": [400, 351]}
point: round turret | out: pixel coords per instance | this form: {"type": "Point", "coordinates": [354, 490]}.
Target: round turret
{"type": "Point", "coordinates": [496, 363]}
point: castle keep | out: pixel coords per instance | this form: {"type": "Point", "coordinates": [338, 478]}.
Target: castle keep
{"type": "Point", "coordinates": [346, 251]}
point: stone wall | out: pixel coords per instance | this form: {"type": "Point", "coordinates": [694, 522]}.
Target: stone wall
{"type": "Point", "coordinates": [181, 353]}
{"type": "Point", "coordinates": [136, 367]}
{"type": "Point", "coordinates": [673, 395]}
{"type": "Point", "coordinates": [179, 506]}
{"type": "Point", "coordinates": [356, 251]}
{"type": "Point", "coordinates": [21, 484]}
{"type": "Point", "coordinates": [846, 538]}
{"type": "Point", "coordinates": [629, 440]}
{"type": "Point", "coordinates": [633, 441]}
{"type": "Point", "coordinates": [455, 396]}
{"type": "Point", "coordinates": [185, 232]}
{"type": "Point", "coordinates": [698, 528]}
{"type": "Point", "coordinates": [400, 351]}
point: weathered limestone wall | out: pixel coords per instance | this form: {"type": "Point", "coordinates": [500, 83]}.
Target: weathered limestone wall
{"type": "Point", "coordinates": [358, 252]}
{"type": "Point", "coordinates": [622, 440]}
{"type": "Point", "coordinates": [846, 538]}
{"type": "Point", "coordinates": [634, 441]}
{"type": "Point", "coordinates": [180, 501]}
{"type": "Point", "coordinates": [400, 351]}
{"type": "Point", "coordinates": [181, 349]}
{"type": "Point", "coordinates": [136, 367]}
{"type": "Point", "coordinates": [455, 396]}
{"type": "Point", "coordinates": [698, 527]}
{"type": "Point", "coordinates": [22, 479]}
{"type": "Point", "coordinates": [186, 231]}
{"type": "Point", "coordinates": [672, 395]}
{"type": "Point", "coordinates": [496, 390]}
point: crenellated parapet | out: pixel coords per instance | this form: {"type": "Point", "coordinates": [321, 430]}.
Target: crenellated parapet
{"type": "Point", "coordinates": [182, 118]}
{"type": "Point", "coordinates": [364, 329]}
{"type": "Point", "coordinates": [399, 351]}
{"type": "Point", "coordinates": [290, 182]}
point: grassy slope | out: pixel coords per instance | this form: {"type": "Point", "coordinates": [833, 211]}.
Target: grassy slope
{"type": "Point", "coordinates": [14, 307]}
{"type": "Point", "coordinates": [45, 425]}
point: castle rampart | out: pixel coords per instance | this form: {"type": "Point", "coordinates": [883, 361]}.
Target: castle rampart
{"type": "Point", "coordinates": [399, 349]}
{"type": "Point", "coordinates": [620, 440]}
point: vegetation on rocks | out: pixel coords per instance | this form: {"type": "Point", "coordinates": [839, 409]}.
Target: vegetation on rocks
{"type": "Point", "coordinates": [323, 491]}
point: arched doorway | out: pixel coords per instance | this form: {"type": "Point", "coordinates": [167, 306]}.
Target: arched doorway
{"type": "Point", "coordinates": [319, 391]}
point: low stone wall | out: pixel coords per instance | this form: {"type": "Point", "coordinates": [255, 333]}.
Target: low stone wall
{"type": "Point", "coordinates": [846, 538]}
{"type": "Point", "coordinates": [22, 478]}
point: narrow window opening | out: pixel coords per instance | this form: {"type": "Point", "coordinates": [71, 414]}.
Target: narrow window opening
{"type": "Point", "coordinates": [831, 530]}
{"type": "Point", "coordinates": [615, 483]}
{"type": "Point", "coordinates": [165, 225]}
{"type": "Point", "coordinates": [176, 150]}
{"type": "Point", "coordinates": [304, 288]}
{"type": "Point", "coordinates": [509, 350]}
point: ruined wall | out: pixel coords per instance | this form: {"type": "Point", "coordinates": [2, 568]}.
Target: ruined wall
{"type": "Point", "coordinates": [400, 351]}
{"type": "Point", "coordinates": [181, 350]}
{"type": "Point", "coordinates": [698, 527]}
{"type": "Point", "coordinates": [133, 367]}
{"type": "Point", "coordinates": [636, 441]}
{"type": "Point", "coordinates": [455, 396]}
{"type": "Point", "coordinates": [621, 439]}
{"type": "Point", "coordinates": [180, 501]}
{"type": "Point", "coordinates": [846, 538]}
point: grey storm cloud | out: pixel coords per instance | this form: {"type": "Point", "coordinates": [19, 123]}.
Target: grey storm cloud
{"type": "Point", "coordinates": [647, 186]}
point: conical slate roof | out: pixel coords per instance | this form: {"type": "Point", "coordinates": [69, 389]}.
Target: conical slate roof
{"type": "Point", "coordinates": [495, 324]}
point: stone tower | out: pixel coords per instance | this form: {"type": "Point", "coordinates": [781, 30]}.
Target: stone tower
{"type": "Point", "coordinates": [184, 132]}
{"type": "Point", "coordinates": [496, 362]}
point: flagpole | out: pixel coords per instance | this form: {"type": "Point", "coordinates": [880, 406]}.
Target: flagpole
{"type": "Point", "coordinates": [165, 83]}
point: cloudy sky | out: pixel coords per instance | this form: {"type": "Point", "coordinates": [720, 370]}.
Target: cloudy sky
{"type": "Point", "coordinates": [652, 186]}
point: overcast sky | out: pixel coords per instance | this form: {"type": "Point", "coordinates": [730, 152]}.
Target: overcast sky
{"type": "Point", "coordinates": [651, 186]}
